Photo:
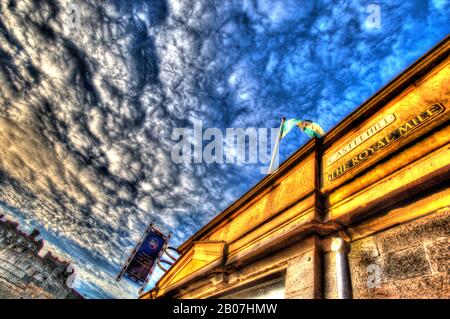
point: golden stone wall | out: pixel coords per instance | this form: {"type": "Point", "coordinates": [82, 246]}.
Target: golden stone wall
{"type": "Point", "coordinates": [364, 182]}
{"type": "Point", "coordinates": [384, 166]}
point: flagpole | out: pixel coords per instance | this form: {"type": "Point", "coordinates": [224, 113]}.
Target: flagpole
{"type": "Point", "coordinates": [275, 150]}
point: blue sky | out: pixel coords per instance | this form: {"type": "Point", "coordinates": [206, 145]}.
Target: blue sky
{"type": "Point", "coordinates": [87, 109]}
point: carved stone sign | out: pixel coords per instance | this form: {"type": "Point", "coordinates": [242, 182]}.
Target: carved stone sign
{"type": "Point", "coordinates": [374, 129]}
{"type": "Point", "coordinates": [400, 132]}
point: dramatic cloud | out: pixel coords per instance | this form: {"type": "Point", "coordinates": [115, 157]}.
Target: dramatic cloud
{"type": "Point", "coordinates": [90, 92]}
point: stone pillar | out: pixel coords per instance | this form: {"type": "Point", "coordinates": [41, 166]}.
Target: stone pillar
{"type": "Point", "coordinates": [304, 273]}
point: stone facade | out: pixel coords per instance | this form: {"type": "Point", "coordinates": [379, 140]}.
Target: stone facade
{"type": "Point", "coordinates": [361, 213]}
{"type": "Point", "coordinates": [24, 274]}
{"type": "Point", "coordinates": [411, 260]}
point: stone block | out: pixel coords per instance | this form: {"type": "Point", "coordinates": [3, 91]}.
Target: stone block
{"type": "Point", "coordinates": [303, 278]}
{"type": "Point", "coordinates": [416, 232]}
{"type": "Point", "coordinates": [393, 269]}
{"type": "Point", "coordinates": [406, 263]}
{"type": "Point", "coordinates": [421, 287]}
{"type": "Point", "coordinates": [438, 254]}
{"type": "Point", "coordinates": [365, 248]}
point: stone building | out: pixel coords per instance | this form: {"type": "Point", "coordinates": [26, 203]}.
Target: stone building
{"type": "Point", "coordinates": [24, 274]}
{"type": "Point", "coordinates": [361, 213]}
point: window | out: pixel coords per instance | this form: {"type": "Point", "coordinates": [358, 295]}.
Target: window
{"type": "Point", "coordinates": [268, 288]}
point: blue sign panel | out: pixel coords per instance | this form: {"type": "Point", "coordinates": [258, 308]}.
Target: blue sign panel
{"type": "Point", "coordinates": [146, 256]}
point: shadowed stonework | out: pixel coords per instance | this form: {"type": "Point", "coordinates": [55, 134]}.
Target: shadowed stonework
{"type": "Point", "coordinates": [413, 259]}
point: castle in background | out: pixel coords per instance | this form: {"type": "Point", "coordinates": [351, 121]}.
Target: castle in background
{"type": "Point", "coordinates": [24, 274]}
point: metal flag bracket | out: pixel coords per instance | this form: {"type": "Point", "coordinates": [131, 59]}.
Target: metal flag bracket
{"type": "Point", "coordinates": [159, 262]}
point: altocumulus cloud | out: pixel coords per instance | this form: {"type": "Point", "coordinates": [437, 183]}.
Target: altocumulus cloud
{"type": "Point", "coordinates": [87, 110]}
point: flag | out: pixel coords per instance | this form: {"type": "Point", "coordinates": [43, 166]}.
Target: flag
{"type": "Point", "coordinates": [289, 125]}
{"type": "Point", "coordinates": [310, 128]}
